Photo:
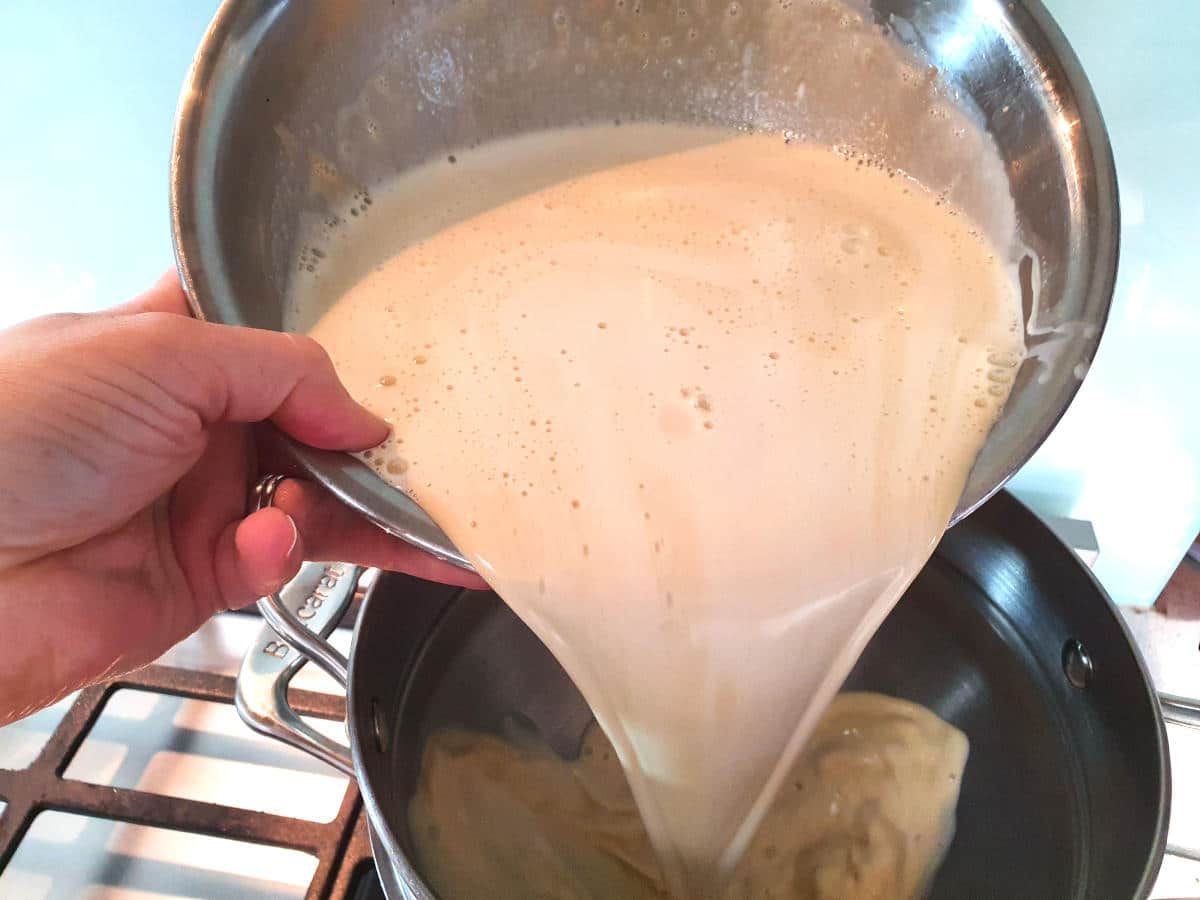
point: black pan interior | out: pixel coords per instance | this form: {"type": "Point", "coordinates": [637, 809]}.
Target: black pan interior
{"type": "Point", "coordinates": [1065, 790]}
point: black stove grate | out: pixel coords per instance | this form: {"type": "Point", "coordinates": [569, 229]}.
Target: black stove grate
{"type": "Point", "coordinates": [340, 846]}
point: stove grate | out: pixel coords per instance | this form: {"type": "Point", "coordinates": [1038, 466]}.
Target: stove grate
{"type": "Point", "coordinates": [340, 846]}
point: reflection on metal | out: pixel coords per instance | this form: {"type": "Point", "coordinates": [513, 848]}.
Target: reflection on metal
{"type": "Point", "coordinates": [1077, 664]}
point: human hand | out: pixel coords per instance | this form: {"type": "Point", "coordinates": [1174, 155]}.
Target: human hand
{"type": "Point", "coordinates": [126, 454]}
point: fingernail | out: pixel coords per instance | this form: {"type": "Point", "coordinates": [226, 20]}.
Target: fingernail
{"type": "Point", "coordinates": [295, 535]}
{"type": "Point", "coordinates": [384, 425]}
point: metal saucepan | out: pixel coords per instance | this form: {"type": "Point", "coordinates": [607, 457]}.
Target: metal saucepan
{"type": "Point", "coordinates": [1004, 633]}
{"type": "Point", "coordinates": [293, 107]}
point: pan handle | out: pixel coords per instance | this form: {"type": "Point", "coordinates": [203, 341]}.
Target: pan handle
{"type": "Point", "coordinates": [1186, 712]}
{"type": "Point", "coordinates": [1180, 710]}
{"type": "Point", "coordinates": [298, 620]}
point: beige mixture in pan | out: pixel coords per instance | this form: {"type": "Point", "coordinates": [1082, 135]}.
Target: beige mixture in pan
{"type": "Point", "coordinates": [866, 811]}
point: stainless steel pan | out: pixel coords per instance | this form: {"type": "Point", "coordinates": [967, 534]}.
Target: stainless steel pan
{"type": "Point", "coordinates": [291, 108]}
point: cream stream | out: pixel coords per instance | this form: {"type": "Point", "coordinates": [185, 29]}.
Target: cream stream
{"type": "Point", "coordinates": [699, 414]}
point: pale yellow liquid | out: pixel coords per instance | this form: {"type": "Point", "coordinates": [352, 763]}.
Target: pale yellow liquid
{"type": "Point", "coordinates": [866, 812]}
{"type": "Point", "coordinates": [699, 418]}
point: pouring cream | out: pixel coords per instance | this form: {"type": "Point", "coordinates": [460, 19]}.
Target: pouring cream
{"type": "Point", "coordinates": [698, 406]}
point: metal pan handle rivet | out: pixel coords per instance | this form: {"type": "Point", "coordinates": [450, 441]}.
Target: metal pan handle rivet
{"type": "Point", "coordinates": [1077, 663]}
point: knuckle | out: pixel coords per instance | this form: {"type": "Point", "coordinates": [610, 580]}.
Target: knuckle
{"type": "Point", "coordinates": [313, 354]}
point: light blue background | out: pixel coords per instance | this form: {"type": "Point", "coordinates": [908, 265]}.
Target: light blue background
{"type": "Point", "coordinates": [87, 97]}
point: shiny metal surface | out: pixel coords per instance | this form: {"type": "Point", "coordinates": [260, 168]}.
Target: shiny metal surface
{"type": "Point", "coordinates": [1181, 711]}
{"type": "Point", "coordinates": [314, 600]}
{"type": "Point", "coordinates": [333, 587]}
{"type": "Point", "coordinates": [1066, 790]}
{"type": "Point", "coordinates": [292, 107]}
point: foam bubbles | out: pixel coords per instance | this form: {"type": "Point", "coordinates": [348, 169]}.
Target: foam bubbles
{"type": "Point", "coordinates": [704, 372]}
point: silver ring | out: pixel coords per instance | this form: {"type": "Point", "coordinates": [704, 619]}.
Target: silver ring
{"type": "Point", "coordinates": [263, 494]}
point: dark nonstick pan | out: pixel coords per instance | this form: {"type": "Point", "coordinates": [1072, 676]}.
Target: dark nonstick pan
{"type": "Point", "coordinates": [1004, 633]}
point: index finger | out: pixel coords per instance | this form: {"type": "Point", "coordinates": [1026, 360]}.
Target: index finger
{"type": "Point", "coordinates": [333, 531]}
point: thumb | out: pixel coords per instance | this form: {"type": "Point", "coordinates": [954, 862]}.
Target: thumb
{"type": "Point", "coordinates": [256, 556]}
